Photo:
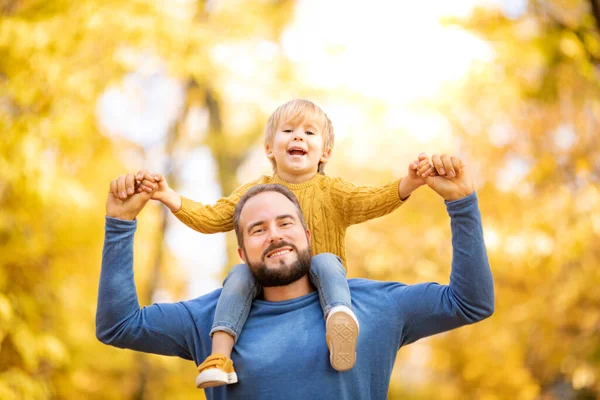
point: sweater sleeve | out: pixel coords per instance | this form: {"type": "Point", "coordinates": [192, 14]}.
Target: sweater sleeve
{"type": "Point", "coordinates": [356, 204]}
{"type": "Point", "coordinates": [429, 308]}
{"type": "Point", "coordinates": [212, 218]}
{"type": "Point", "coordinates": [160, 328]}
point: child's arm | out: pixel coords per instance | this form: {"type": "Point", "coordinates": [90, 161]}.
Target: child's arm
{"type": "Point", "coordinates": [357, 204]}
{"type": "Point", "coordinates": [158, 186]}
{"type": "Point", "coordinates": [200, 217]}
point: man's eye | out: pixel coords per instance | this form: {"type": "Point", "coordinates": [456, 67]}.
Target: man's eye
{"type": "Point", "coordinates": [258, 231]}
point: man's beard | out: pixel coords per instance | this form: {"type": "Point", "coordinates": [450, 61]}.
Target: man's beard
{"type": "Point", "coordinates": [284, 274]}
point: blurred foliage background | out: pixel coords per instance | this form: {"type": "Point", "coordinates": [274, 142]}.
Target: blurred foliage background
{"type": "Point", "coordinates": [79, 106]}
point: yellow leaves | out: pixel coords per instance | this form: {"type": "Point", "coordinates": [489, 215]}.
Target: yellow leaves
{"type": "Point", "coordinates": [15, 384]}
{"type": "Point", "coordinates": [588, 200]}
{"type": "Point", "coordinates": [584, 376]}
{"type": "Point", "coordinates": [571, 46]}
{"type": "Point", "coordinates": [52, 350]}
{"type": "Point", "coordinates": [6, 312]}
{"type": "Point", "coordinates": [25, 345]}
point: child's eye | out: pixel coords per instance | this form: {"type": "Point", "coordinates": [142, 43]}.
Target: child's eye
{"type": "Point", "coordinates": [287, 130]}
{"type": "Point", "coordinates": [309, 133]}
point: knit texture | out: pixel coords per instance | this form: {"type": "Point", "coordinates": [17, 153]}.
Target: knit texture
{"type": "Point", "coordinates": [329, 205]}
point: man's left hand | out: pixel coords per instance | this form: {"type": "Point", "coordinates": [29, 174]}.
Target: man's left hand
{"type": "Point", "coordinates": [453, 181]}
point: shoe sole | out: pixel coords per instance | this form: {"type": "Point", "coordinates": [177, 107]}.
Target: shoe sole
{"type": "Point", "coordinates": [215, 377]}
{"type": "Point", "coordinates": [342, 333]}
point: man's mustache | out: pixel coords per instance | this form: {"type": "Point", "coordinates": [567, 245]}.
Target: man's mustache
{"type": "Point", "coordinates": [278, 245]}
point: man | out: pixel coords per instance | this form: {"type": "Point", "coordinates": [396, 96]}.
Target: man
{"type": "Point", "coordinates": [280, 354]}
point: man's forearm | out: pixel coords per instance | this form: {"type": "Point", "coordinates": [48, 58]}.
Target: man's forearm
{"type": "Point", "coordinates": [117, 296]}
{"type": "Point", "coordinates": [471, 280]}
{"type": "Point", "coordinates": [159, 328]}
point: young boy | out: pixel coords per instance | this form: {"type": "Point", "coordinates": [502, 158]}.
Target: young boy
{"type": "Point", "coordinates": [298, 142]}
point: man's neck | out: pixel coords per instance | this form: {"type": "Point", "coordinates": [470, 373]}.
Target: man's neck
{"type": "Point", "coordinates": [300, 288]}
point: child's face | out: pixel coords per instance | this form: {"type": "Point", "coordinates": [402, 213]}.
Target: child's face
{"type": "Point", "coordinates": [298, 149]}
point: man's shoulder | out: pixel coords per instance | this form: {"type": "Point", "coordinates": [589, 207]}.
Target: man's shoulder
{"type": "Point", "coordinates": [372, 294]}
{"type": "Point", "coordinates": [206, 302]}
{"type": "Point", "coordinates": [371, 287]}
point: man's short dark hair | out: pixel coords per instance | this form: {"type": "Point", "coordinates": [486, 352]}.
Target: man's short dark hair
{"type": "Point", "coordinates": [268, 187]}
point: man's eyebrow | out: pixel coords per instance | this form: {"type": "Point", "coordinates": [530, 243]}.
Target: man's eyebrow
{"type": "Point", "coordinates": [284, 216]}
{"type": "Point", "coordinates": [252, 225]}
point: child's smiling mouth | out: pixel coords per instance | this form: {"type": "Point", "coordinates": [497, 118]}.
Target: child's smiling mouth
{"type": "Point", "coordinates": [297, 151]}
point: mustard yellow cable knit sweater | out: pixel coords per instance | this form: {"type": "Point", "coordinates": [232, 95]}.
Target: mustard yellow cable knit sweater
{"type": "Point", "coordinates": [330, 206]}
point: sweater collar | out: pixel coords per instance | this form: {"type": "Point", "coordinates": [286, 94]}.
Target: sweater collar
{"type": "Point", "coordinates": [296, 186]}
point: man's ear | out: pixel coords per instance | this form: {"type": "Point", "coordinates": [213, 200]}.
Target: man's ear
{"type": "Point", "coordinates": [269, 151]}
{"type": "Point", "coordinates": [326, 155]}
{"type": "Point", "coordinates": [308, 235]}
{"type": "Point", "coordinates": [241, 254]}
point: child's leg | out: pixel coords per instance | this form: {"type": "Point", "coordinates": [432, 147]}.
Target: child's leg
{"type": "Point", "coordinates": [231, 313]}
{"type": "Point", "coordinates": [329, 277]}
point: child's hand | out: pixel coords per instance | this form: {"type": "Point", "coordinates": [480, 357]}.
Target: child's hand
{"type": "Point", "coordinates": [151, 183]}
{"type": "Point", "coordinates": [158, 186]}
{"type": "Point", "coordinates": [420, 169]}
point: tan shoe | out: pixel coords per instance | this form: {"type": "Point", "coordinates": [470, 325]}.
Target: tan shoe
{"type": "Point", "coordinates": [341, 330]}
{"type": "Point", "coordinates": [216, 370]}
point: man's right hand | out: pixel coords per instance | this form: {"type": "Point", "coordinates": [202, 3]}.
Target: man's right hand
{"type": "Point", "coordinates": [125, 207]}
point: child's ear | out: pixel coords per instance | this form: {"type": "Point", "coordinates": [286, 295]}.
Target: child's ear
{"type": "Point", "coordinates": [326, 155]}
{"type": "Point", "coordinates": [269, 151]}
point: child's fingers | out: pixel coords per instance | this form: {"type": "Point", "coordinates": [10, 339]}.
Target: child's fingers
{"type": "Point", "coordinates": [423, 156]}
{"type": "Point", "coordinates": [424, 166]}
{"type": "Point", "coordinates": [140, 174]}
{"type": "Point", "coordinates": [428, 170]}
{"type": "Point", "coordinates": [149, 177]}
{"type": "Point", "coordinates": [147, 185]}
{"type": "Point", "coordinates": [423, 169]}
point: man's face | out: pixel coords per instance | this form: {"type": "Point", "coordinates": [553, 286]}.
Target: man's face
{"type": "Point", "coordinates": [275, 244]}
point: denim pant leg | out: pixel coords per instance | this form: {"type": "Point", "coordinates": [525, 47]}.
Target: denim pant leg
{"type": "Point", "coordinates": [233, 306]}
{"type": "Point", "coordinates": [329, 277]}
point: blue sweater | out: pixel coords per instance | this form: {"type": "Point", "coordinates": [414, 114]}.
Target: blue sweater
{"type": "Point", "coordinates": [281, 353]}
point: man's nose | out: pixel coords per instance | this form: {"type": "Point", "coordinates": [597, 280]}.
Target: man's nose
{"type": "Point", "coordinates": [274, 235]}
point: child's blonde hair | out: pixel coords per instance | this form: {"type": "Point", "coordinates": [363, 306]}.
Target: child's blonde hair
{"type": "Point", "coordinates": [295, 111]}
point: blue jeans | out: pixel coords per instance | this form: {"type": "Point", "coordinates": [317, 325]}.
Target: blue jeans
{"type": "Point", "coordinates": [326, 273]}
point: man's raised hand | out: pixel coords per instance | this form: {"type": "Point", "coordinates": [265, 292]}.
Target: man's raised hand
{"type": "Point", "coordinates": [120, 204]}
{"type": "Point", "coordinates": [453, 181]}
